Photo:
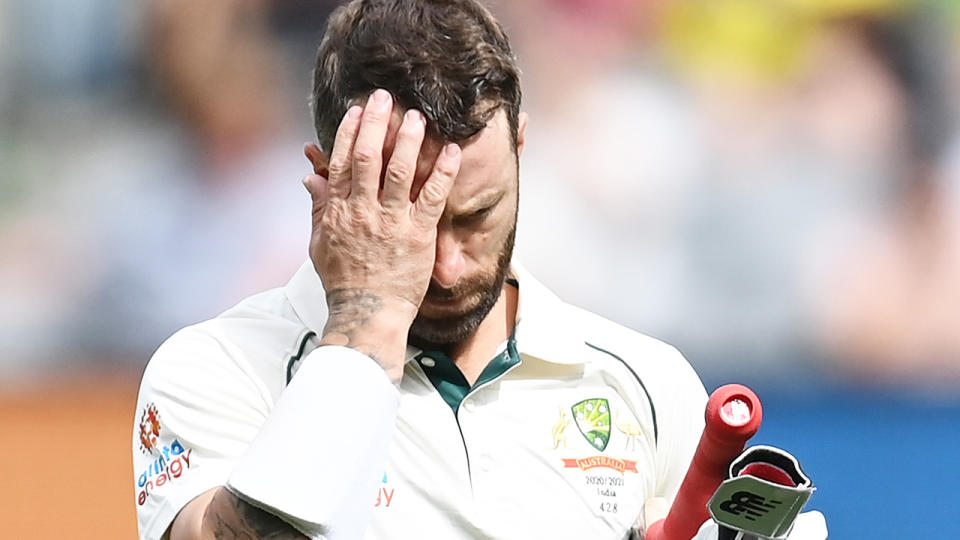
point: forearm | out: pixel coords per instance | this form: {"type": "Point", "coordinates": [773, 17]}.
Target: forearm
{"type": "Point", "coordinates": [293, 468]}
{"type": "Point", "coordinates": [228, 517]}
{"type": "Point", "coordinates": [221, 515]}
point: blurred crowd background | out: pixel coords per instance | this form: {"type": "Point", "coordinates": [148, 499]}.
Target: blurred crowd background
{"type": "Point", "coordinates": [771, 185]}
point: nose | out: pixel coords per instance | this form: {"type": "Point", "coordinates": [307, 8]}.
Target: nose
{"type": "Point", "coordinates": [449, 264]}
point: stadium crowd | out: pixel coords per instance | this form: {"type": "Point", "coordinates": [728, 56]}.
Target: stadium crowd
{"type": "Point", "coordinates": [781, 197]}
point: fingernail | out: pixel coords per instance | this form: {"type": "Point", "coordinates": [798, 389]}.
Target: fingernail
{"type": "Point", "coordinates": [354, 112]}
{"type": "Point", "coordinates": [452, 150]}
{"type": "Point", "coordinates": [414, 115]}
{"type": "Point", "coordinates": [381, 96]}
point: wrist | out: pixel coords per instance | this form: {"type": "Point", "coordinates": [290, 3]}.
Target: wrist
{"type": "Point", "coordinates": [358, 306]}
{"type": "Point", "coordinates": [372, 325]}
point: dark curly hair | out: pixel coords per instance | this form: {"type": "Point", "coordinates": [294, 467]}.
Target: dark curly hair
{"type": "Point", "coordinates": [449, 59]}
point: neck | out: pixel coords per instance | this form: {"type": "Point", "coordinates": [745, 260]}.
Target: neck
{"type": "Point", "coordinates": [474, 353]}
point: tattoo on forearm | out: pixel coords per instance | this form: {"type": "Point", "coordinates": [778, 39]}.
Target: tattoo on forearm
{"type": "Point", "coordinates": [234, 519]}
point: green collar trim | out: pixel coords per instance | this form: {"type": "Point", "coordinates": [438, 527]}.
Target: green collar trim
{"type": "Point", "coordinates": [449, 381]}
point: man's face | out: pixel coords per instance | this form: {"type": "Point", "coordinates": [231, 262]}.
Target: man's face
{"type": "Point", "coordinates": [475, 236]}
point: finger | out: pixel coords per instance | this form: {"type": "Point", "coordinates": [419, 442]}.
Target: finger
{"type": "Point", "coordinates": [368, 148]}
{"type": "Point", "coordinates": [433, 194]}
{"type": "Point", "coordinates": [403, 163]}
{"type": "Point", "coordinates": [318, 187]}
{"type": "Point", "coordinates": [338, 184]}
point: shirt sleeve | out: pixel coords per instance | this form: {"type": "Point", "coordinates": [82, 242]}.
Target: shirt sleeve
{"type": "Point", "coordinates": [198, 408]}
{"type": "Point", "coordinates": [321, 455]}
{"type": "Point", "coordinates": [684, 400]}
{"type": "Point", "coordinates": [205, 419]}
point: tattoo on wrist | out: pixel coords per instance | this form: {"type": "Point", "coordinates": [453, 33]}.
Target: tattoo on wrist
{"type": "Point", "coordinates": [350, 309]}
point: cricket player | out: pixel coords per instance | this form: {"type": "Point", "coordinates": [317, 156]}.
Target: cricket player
{"type": "Point", "coordinates": [412, 380]}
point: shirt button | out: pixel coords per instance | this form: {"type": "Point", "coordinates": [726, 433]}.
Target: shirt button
{"type": "Point", "coordinates": [469, 406]}
{"type": "Point", "coordinates": [485, 463]}
{"type": "Point", "coordinates": [426, 361]}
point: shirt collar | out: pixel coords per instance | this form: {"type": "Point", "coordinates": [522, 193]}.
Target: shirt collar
{"type": "Point", "coordinates": [544, 328]}
{"type": "Point", "coordinates": [306, 296]}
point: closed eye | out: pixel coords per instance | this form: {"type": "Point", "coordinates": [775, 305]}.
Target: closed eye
{"type": "Point", "coordinates": [473, 218]}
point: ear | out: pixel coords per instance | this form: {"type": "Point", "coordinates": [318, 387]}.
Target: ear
{"type": "Point", "coordinates": [521, 132]}
{"type": "Point", "coordinates": [319, 160]}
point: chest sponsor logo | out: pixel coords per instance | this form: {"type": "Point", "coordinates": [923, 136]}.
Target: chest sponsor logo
{"type": "Point", "coordinates": [384, 494]}
{"type": "Point", "coordinates": [593, 420]}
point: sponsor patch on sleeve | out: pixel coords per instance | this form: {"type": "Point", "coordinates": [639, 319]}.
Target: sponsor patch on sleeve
{"type": "Point", "coordinates": [168, 462]}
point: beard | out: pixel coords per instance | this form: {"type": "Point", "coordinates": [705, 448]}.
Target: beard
{"type": "Point", "coordinates": [477, 296]}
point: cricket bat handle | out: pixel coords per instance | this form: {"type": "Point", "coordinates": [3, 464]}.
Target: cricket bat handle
{"type": "Point", "coordinates": [733, 415]}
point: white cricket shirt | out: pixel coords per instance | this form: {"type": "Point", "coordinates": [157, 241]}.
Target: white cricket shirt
{"type": "Point", "coordinates": [568, 430]}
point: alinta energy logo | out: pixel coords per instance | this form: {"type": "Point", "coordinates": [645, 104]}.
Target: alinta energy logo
{"type": "Point", "coordinates": [385, 494]}
{"type": "Point", "coordinates": [149, 429]}
{"type": "Point", "coordinates": [168, 463]}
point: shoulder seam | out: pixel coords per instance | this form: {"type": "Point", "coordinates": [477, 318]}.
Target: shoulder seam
{"type": "Point", "coordinates": [653, 409]}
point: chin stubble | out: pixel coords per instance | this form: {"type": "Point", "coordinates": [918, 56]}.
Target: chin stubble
{"type": "Point", "coordinates": [451, 330]}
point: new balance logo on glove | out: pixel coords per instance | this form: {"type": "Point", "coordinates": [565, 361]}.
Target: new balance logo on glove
{"type": "Point", "coordinates": [751, 504]}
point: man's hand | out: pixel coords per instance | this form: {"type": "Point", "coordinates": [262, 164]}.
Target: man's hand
{"type": "Point", "coordinates": [373, 246]}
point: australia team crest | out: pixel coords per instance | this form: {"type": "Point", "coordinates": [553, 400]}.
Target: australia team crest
{"type": "Point", "coordinates": [605, 472]}
{"type": "Point", "coordinates": [593, 420]}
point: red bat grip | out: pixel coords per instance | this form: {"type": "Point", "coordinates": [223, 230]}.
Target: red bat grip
{"type": "Point", "coordinates": [733, 415]}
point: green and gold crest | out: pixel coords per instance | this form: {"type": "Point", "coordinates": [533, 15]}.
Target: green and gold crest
{"type": "Point", "coordinates": [593, 421]}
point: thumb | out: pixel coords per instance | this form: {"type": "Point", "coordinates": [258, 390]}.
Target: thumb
{"type": "Point", "coordinates": [654, 509]}
{"type": "Point", "coordinates": [316, 186]}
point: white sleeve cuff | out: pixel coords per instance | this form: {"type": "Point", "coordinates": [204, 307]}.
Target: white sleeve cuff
{"type": "Point", "coordinates": [319, 456]}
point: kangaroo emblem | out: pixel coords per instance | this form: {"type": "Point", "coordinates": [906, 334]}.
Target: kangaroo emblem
{"type": "Point", "coordinates": [630, 428]}
{"type": "Point", "coordinates": [560, 429]}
